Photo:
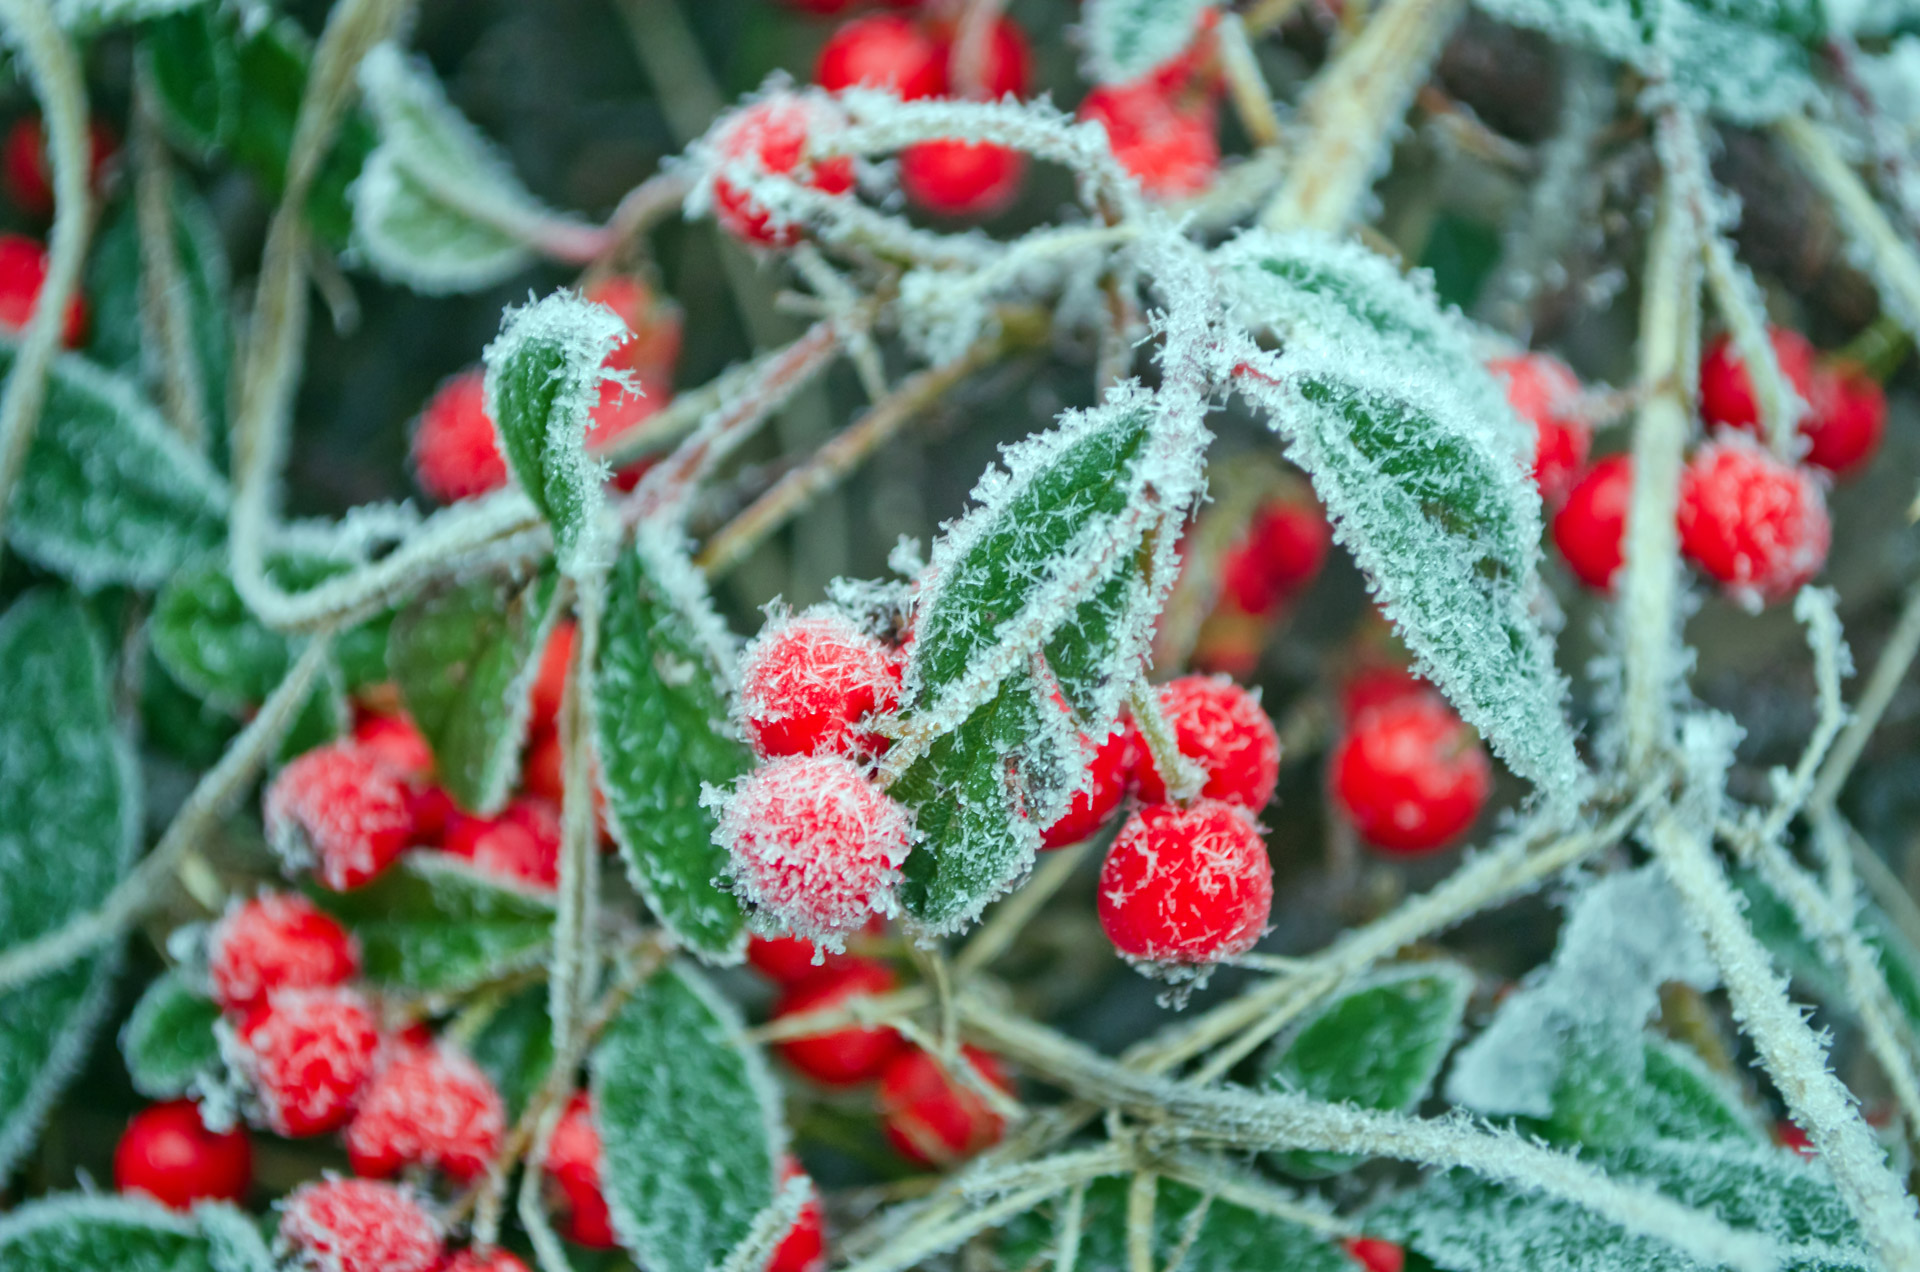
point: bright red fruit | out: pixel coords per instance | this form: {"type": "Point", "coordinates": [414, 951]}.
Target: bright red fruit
{"type": "Point", "coordinates": [1109, 775]}
{"type": "Point", "coordinates": [29, 176]}
{"type": "Point", "coordinates": [573, 1165]}
{"type": "Point", "coordinates": [788, 960]}
{"type": "Point", "coordinates": [1186, 885]}
{"type": "Point", "coordinates": [1591, 527]}
{"type": "Point", "coordinates": [961, 178]}
{"type": "Point", "coordinates": [279, 940]}
{"type": "Point", "coordinates": [845, 1056]}
{"type": "Point", "coordinates": [397, 742]}
{"type": "Point", "coordinates": [168, 1153]}
{"type": "Point", "coordinates": [494, 1260]}
{"type": "Point", "coordinates": [521, 843]}
{"type": "Point", "coordinates": [1726, 390]}
{"type": "Point", "coordinates": [1172, 150]}
{"type": "Point", "coordinates": [1545, 392]}
{"type": "Point", "coordinates": [550, 682]}
{"type": "Point", "coordinates": [456, 452]}
{"type": "Point", "coordinates": [773, 135]}
{"type": "Point", "coordinates": [341, 809]}
{"type": "Point", "coordinates": [807, 684]}
{"type": "Point", "coordinates": [1376, 1255]}
{"type": "Point", "coordinates": [23, 271]}
{"type": "Point", "coordinates": [1376, 685]}
{"type": "Point", "coordinates": [308, 1054]}
{"type": "Point", "coordinates": [1410, 775]}
{"type": "Point", "coordinates": [882, 50]}
{"type": "Point", "coordinates": [804, 1247]}
{"type": "Point", "coordinates": [358, 1225]}
{"type": "Point", "coordinates": [1220, 727]}
{"type": "Point", "coordinates": [1755, 525]}
{"type": "Point", "coordinates": [1281, 553]}
{"type": "Point", "coordinates": [1006, 68]}
{"type": "Point", "coordinates": [430, 1106]}
{"type": "Point", "coordinates": [1846, 410]}
{"type": "Point", "coordinates": [934, 1119]}
{"type": "Point", "coordinates": [814, 843]}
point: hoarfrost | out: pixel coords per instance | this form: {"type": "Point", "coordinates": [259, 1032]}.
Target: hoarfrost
{"type": "Point", "coordinates": [1127, 38]}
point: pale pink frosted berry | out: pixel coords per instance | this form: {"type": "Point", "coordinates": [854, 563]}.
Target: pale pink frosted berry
{"type": "Point", "coordinates": [358, 1225]}
{"type": "Point", "coordinates": [308, 1054]}
{"type": "Point", "coordinates": [343, 809]}
{"type": "Point", "coordinates": [430, 1106]}
{"type": "Point", "coordinates": [814, 843]}
{"type": "Point", "coordinates": [807, 683]}
{"type": "Point", "coordinates": [278, 940]}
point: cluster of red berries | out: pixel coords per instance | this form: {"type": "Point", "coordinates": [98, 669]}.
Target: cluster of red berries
{"type": "Point", "coordinates": [1407, 773]}
{"type": "Point", "coordinates": [456, 451]}
{"type": "Point", "coordinates": [1263, 572]}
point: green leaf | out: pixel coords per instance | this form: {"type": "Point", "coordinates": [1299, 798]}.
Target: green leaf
{"type": "Point", "coordinates": [434, 924]}
{"type": "Point", "coordinates": [1230, 1238]}
{"type": "Point", "coordinates": [69, 827]}
{"type": "Point", "coordinates": [169, 1041]}
{"type": "Point", "coordinates": [689, 1124]}
{"type": "Point", "coordinates": [234, 1239]}
{"type": "Point", "coordinates": [1103, 635]}
{"type": "Point", "coordinates": [1127, 38]}
{"type": "Point", "coordinates": [543, 379]}
{"type": "Point", "coordinates": [465, 658]}
{"type": "Point", "coordinates": [83, 1233]}
{"type": "Point", "coordinates": [1779, 930]}
{"type": "Point", "coordinates": [662, 732]}
{"type": "Point", "coordinates": [1378, 1046]}
{"type": "Point", "coordinates": [109, 493]}
{"type": "Point", "coordinates": [192, 62]}
{"type": "Point", "coordinates": [1605, 1099]}
{"type": "Point", "coordinates": [515, 1046]}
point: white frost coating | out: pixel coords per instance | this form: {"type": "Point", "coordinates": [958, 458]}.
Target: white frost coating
{"type": "Point", "coordinates": [234, 1243]}
{"type": "Point", "coordinates": [665, 550]}
{"type": "Point", "coordinates": [1625, 935]}
{"type": "Point", "coordinates": [1128, 38]}
{"type": "Point", "coordinates": [74, 1210]}
{"type": "Point", "coordinates": [86, 16]}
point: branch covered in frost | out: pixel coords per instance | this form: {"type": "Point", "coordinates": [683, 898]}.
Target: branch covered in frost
{"type": "Point", "coordinates": [1880, 250]}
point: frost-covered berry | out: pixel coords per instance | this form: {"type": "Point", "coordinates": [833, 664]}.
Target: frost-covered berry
{"type": "Point", "coordinates": [573, 1167]}
{"type": "Point", "coordinates": [358, 1225]}
{"type": "Point", "coordinates": [1846, 410]}
{"type": "Point", "coordinates": [1545, 392]}
{"type": "Point", "coordinates": [1377, 1255]}
{"type": "Point", "coordinates": [168, 1153]}
{"type": "Point", "coordinates": [961, 178]}
{"type": "Point", "coordinates": [1109, 777]}
{"type": "Point", "coordinates": [494, 1260]}
{"type": "Point", "coordinates": [881, 50]}
{"type": "Point", "coordinates": [550, 681]}
{"type": "Point", "coordinates": [396, 741]}
{"type": "Point", "coordinates": [1186, 885]}
{"type": "Point", "coordinates": [1172, 148]}
{"type": "Point", "coordinates": [807, 684]}
{"type": "Point", "coordinates": [342, 810]}
{"type": "Point", "coordinates": [1410, 775]}
{"type": "Point", "coordinates": [1753, 524]}
{"type": "Point", "coordinates": [1220, 727]}
{"type": "Point", "coordinates": [522, 843]}
{"type": "Point", "coordinates": [23, 272]}
{"type": "Point", "coordinates": [279, 940]}
{"type": "Point", "coordinates": [804, 1248]}
{"type": "Point", "coordinates": [814, 843]}
{"type": "Point", "coordinates": [1590, 529]}
{"type": "Point", "coordinates": [429, 1106]}
{"type": "Point", "coordinates": [1281, 553]}
{"type": "Point", "coordinates": [933, 1118]}
{"type": "Point", "coordinates": [308, 1054]}
{"type": "Point", "coordinates": [29, 174]}
{"type": "Point", "coordinates": [1726, 390]}
{"type": "Point", "coordinates": [843, 1057]}
{"type": "Point", "coordinates": [456, 452]}
{"type": "Point", "coordinates": [774, 135]}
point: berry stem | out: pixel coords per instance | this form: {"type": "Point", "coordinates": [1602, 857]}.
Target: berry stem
{"type": "Point", "coordinates": [1880, 349]}
{"type": "Point", "coordinates": [1011, 916]}
{"type": "Point", "coordinates": [1183, 778]}
{"type": "Point", "coordinates": [575, 968]}
{"type": "Point", "coordinates": [1252, 99]}
{"type": "Point", "coordinates": [1895, 265]}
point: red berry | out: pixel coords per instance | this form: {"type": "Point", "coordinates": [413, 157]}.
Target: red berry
{"type": "Point", "coordinates": [1755, 525]}
{"type": "Point", "coordinates": [358, 1225]}
{"type": "Point", "coordinates": [1544, 391]}
{"type": "Point", "coordinates": [1375, 686]}
{"type": "Point", "coordinates": [430, 1106]}
{"type": "Point", "coordinates": [1410, 775]}
{"type": "Point", "coordinates": [456, 452]}
{"type": "Point", "coordinates": [521, 843]}
{"type": "Point", "coordinates": [550, 682]}
{"type": "Point", "coordinates": [1788, 1135]}
{"type": "Point", "coordinates": [653, 346]}
{"type": "Point", "coordinates": [1281, 553]}
{"type": "Point", "coordinates": [1186, 885]}
{"type": "Point", "coordinates": [494, 1260]}
{"type": "Point", "coordinates": [1220, 727]}
{"type": "Point", "coordinates": [1847, 420]}
{"type": "Point", "coordinates": [933, 1118]}
{"type": "Point", "coordinates": [1173, 151]}
{"type": "Point", "coordinates": [804, 1247]}
{"type": "Point", "coordinates": [961, 178]}
{"type": "Point", "coordinates": [308, 1054]}
{"type": "Point", "coordinates": [396, 742]}
{"type": "Point", "coordinates": [882, 50]}
{"type": "Point", "coordinates": [23, 271]}
{"type": "Point", "coordinates": [1591, 527]}
{"type": "Point", "coordinates": [168, 1153]}
{"type": "Point", "coordinates": [1726, 390]}
{"type": "Point", "coordinates": [815, 844]}
{"type": "Point", "coordinates": [1006, 68]}
{"type": "Point", "coordinates": [1109, 774]}
{"type": "Point", "coordinates": [29, 176]}
{"type": "Point", "coordinates": [1376, 1255]}
{"type": "Point", "coordinates": [774, 135]}
{"type": "Point", "coordinates": [573, 1165]}
{"type": "Point", "coordinates": [847, 1056]}
{"type": "Point", "coordinates": [807, 684]}
{"type": "Point", "coordinates": [279, 940]}
{"type": "Point", "coordinates": [343, 810]}
{"type": "Point", "coordinates": [788, 960]}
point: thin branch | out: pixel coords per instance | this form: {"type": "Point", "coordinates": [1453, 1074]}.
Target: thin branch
{"type": "Point", "coordinates": [1010, 917]}
{"type": "Point", "coordinates": [1892, 262]}
{"type": "Point", "coordinates": [1252, 99]}
{"type": "Point", "coordinates": [1888, 673]}
{"type": "Point", "coordinates": [1143, 1191]}
{"type": "Point", "coordinates": [164, 299]}
{"type": "Point", "coordinates": [575, 957]}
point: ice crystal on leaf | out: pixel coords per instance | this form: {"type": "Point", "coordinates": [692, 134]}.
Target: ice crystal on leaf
{"type": "Point", "coordinates": [65, 1233]}
{"type": "Point", "coordinates": [1127, 38]}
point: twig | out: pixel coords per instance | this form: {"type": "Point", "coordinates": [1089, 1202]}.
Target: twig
{"type": "Point", "coordinates": [1183, 778]}
{"type": "Point", "coordinates": [163, 295]}
{"type": "Point", "coordinates": [574, 966]}
{"type": "Point", "coordinates": [1252, 99]}
{"type": "Point", "coordinates": [1011, 916]}
{"type": "Point", "coordinates": [1066, 1232]}
{"type": "Point", "coordinates": [922, 1243]}
{"type": "Point", "coordinates": [1891, 669]}
{"type": "Point", "coordinates": [1895, 268]}
{"type": "Point", "coordinates": [1143, 1190]}
{"type": "Point", "coordinates": [1815, 608]}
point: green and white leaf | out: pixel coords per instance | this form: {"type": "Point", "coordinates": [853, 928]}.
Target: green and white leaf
{"type": "Point", "coordinates": [169, 1041]}
{"type": "Point", "coordinates": [87, 17]}
{"type": "Point", "coordinates": [69, 828]}
{"type": "Point", "coordinates": [1613, 1092]}
{"type": "Point", "coordinates": [234, 1240]}
{"type": "Point", "coordinates": [689, 1122]}
{"type": "Point", "coordinates": [192, 62]}
{"type": "Point", "coordinates": [75, 1232]}
{"type": "Point", "coordinates": [1127, 38]}
{"type": "Point", "coordinates": [1774, 922]}
{"type": "Point", "coordinates": [1230, 1238]}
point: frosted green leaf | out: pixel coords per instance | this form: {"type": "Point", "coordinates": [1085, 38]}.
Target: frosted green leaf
{"type": "Point", "coordinates": [87, 17]}
{"type": "Point", "coordinates": [465, 658]}
{"type": "Point", "coordinates": [515, 1046]}
{"type": "Point", "coordinates": [80, 1233]}
{"type": "Point", "coordinates": [1379, 1046]}
{"type": "Point", "coordinates": [689, 1124]}
{"type": "Point", "coordinates": [1127, 38]}
{"type": "Point", "coordinates": [234, 1240]}
{"type": "Point", "coordinates": [69, 828]}
{"type": "Point", "coordinates": [435, 924]}
{"type": "Point", "coordinates": [194, 67]}
{"type": "Point", "coordinates": [1092, 651]}
{"type": "Point", "coordinates": [662, 732]}
{"type": "Point", "coordinates": [169, 1040]}
{"type": "Point", "coordinates": [543, 379]}
{"type": "Point", "coordinates": [1230, 1238]}
{"type": "Point", "coordinates": [1774, 923]}
{"type": "Point", "coordinates": [1613, 1092]}
{"type": "Point", "coordinates": [109, 493]}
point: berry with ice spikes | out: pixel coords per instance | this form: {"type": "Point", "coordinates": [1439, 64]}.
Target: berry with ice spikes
{"type": "Point", "coordinates": [396, 741]}
{"type": "Point", "coordinates": [573, 1168]}
{"type": "Point", "coordinates": [550, 681]}
{"type": "Point", "coordinates": [774, 134]}
{"type": "Point", "coordinates": [168, 1153]}
{"type": "Point", "coordinates": [881, 50]}
{"type": "Point", "coordinates": [814, 844]}
{"type": "Point", "coordinates": [456, 453]}
{"type": "Point", "coordinates": [1277, 558]}
{"type": "Point", "coordinates": [29, 176]}
{"type": "Point", "coordinates": [844, 1057]}
{"type": "Point", "coordinates": [1590, 529]}
{"type": "Point", "coordinates": [1170, 146]}
{"type": "Point", "coordinates": [808, 683]}
{"type": "Point", "coordinates": [278, 940]}
{"type": "Point", "coordinates": [23, 272]}
{"type": "Point", "coordinates": [1109, 778]}
{"type": "Point", "coordinates": [1186, 885]}
{"type": "Point", "coordinates": [427, 1106]}
{"type": "Point", "coordinates": [1752, 523]}
{"type": "Point", "coordinates": [953, 178]}
{"type": "Point", "coordinates": [1376, 1255]}
{"type": "Point", "coordinates": [804, 1248]}
{"type": "Point", "coordinates": [494, 1260]}
{"type": "Point", "coordinates": [933, 1118]}
{"type": "Point", "coordinates": [1220, 727]}
{"type": "Point", "coordinates": [1410, 775]}
{"type": "Point", "coordinates": [522, 842]}
{"type": "Point", "coordinates": [1545, 392]}
{"type": "Point", "coordinates": [1846, 410]}
{"type": "Point", "coordinates": [341, 809]}
{"type": "Point", "coordinates": [307, 1055]}
{"type": "Point", "coordinates": [358, 1225]}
